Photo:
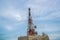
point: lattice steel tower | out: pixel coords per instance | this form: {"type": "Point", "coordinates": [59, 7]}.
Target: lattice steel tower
{"type": "Point", "coordinates": [31, 27]}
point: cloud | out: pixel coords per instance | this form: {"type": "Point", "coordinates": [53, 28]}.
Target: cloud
{"type": "Point", "coordinates": [8, 27]}
{"type": "Point", "coordinates": [44, 9]}
{"type": "Point", "coordinates": [14, 14]}
{"type": "Point", "coordinates": [48, 28]}
{"type": "Point", "coordinates": [54, 36]}
{"type": "Point", "coordinates": [12, 11]}
{"type": "Point", "coordinates": [52, 30]}
{"type": "Point", "coordinates": [13, 27]}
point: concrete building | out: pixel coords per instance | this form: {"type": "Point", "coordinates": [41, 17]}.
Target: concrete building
{"type": "Point", "coordinates": [30, 38]}
{"type": "Point", "coordinates": [36, 37]}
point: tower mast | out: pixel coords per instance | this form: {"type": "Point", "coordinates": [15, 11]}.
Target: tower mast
{"type": "Point", "coordinates": [31, 29]}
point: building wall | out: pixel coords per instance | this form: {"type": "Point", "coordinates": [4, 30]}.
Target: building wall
{"type": "Point", "coordinates": [22, 38]}
{"type": "Point", "coordinates": [30, 38]}
{"type": "Point", "coordinates": [45, 37]}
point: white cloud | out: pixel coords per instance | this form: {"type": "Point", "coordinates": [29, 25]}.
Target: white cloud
{"type": "Point", "coordinates": [48, 28]}
{"type": "Point", "coordinates": [51, 30]}
{"type": "Point", "coordinates": [18, 17]}
{"type": "Point", "coordinates": [11, 27]}
{"type": "Point", "coordinates": [14, 14]}
{"type": "Point", "coordinates": [54, 36]}
{"type": "Point", "coordinates": [8, 27]}
{"type": "Point", "coordinates": [40, 8]}
{"type": "Point", "coordinates": [44, 9]}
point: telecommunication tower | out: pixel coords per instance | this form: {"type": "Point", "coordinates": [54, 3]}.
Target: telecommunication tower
{"type": "Point", "coordinates": [31, 27]}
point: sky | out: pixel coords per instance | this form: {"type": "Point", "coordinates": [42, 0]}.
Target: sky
{"type": "Point", "coordinates": [14, 16]}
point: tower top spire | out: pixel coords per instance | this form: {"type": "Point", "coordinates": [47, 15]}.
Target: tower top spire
{"type": "Point", "coordinates": [29, 12]}
{"type": "Point", "coordinates": [29, 15]}
{"type": "Point", "coordinates": [29, 8]}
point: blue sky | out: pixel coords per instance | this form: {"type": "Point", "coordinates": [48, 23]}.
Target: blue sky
{"type": "Point", "coordinates": [14, 16]}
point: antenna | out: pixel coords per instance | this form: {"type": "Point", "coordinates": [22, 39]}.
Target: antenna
{"type": "Point", "coordinates": [31, 28]}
